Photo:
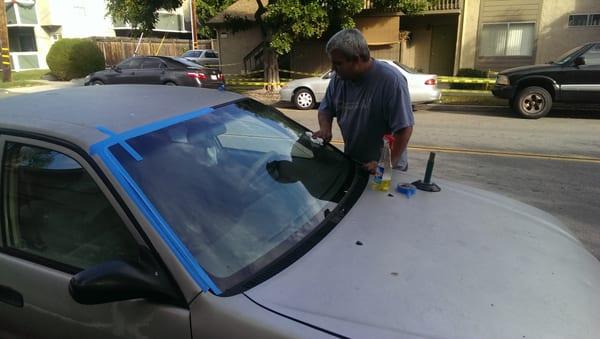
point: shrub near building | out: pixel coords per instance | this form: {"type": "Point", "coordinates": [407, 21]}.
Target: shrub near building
{"type": "Point", "coordinates": [74, 58]}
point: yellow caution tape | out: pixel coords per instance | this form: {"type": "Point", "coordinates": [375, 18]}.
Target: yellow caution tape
{"type": "Point", "coordinates": [5, 63]}
{"type": "Point", "coordinates": [257, 83]}
{"type": "Point", "coordinates": [5, 48]}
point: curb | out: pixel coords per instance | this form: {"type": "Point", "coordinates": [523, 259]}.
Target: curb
{"type": "Point", "coordinates": [466, 108]}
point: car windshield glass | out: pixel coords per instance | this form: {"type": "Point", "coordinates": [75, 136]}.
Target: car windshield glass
{"type": "Point", "coordinates": [241, 186]}
{"type": "Point", "coordinates": [406, 68]}
{"type": "Point", "coordinates": [566, 56]}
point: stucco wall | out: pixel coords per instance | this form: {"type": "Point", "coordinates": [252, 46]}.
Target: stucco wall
{"type": "Point", "coordinates": [235, 46]}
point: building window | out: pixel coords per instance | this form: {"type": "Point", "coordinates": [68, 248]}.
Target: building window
{"type": "Point", "coordinates": [21, 39]}
{"type": "Point", "coordinates": [507, 39]}
{"type": "Point", "coordinates": [169, 22]}
{"type": "Point", "coordinates": [11, 15]}
{"type": "Point", "coordinates": [17, 14]}
{"type": "Point", "coordinates": [582, 20]}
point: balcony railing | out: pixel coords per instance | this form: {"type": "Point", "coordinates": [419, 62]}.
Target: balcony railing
{"type": "Point", "coordinates": [444, 5]}
{"type": "Point", "coordinates": [439, 5]}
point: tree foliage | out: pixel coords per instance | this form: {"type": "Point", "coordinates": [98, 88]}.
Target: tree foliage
{"type": "Point", "coordinates": [141, 14]}
{"type": "Point", "coordinates": [206, 10]}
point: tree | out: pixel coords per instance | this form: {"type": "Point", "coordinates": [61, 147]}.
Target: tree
{"type": "Point", "coordinates": [141, 14]}
{"type": "Point", "coordinates": [282, 22]}
{"type": "Point", "coordinates": [206, 10]}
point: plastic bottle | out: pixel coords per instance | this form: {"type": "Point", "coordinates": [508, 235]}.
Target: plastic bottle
{"type": "Point", "coordinates": [383, 174]}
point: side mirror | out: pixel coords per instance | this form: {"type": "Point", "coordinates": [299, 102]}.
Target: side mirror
{"type": "Point", "coordinates": [116, 281]}
{"type": "Point", "coordinates": [579, 61]}
{"type": "Point", "coordinates": [116, 69]}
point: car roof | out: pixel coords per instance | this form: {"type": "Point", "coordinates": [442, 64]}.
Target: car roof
{"type": "Point", "coordinates": [74, 114]}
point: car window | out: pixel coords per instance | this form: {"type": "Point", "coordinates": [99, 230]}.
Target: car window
{"type": "Point", "coordinates": [53, 209]}
{"type": "Point", "coordinates": [405, 68]}
{"type": "Point", "coordinates": [133, 63]}
{"type": "Point", "coordinates": [151, 63]}
{"type": "Point", "coordinates": [209, 54]}
{"type": "Point", "coordinates": [592, 57]}
{"type": "Point", "coordinates": [189, 54]}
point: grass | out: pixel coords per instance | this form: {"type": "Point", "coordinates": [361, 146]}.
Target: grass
{"type": "Point", "coordinates": [472, 99]}
{"type": "Point", "coordinates": [25, 78]}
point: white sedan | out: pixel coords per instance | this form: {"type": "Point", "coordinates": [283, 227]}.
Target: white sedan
{"type": "Point", "coordinates": [307, 92]}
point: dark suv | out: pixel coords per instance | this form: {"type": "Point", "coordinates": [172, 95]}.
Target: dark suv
{"type": "Point", "coordinates": [573, 77]}
{"type": "Point", "coordinates": [158, 70]}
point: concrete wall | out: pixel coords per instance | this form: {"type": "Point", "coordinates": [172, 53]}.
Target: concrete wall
{"type": "Point", "coordinates": [555, 36]}
{"type": "Point", "coordinates": [468, 38]}
{"type": "Point", "coordinates": [233, 47]}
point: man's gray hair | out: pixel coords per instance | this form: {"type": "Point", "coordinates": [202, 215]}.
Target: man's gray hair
{"type": "Point", "coordinates": [351, 43]}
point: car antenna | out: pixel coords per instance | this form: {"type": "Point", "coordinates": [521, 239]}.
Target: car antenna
{"type": "Point", "coordinates": [426, 184]}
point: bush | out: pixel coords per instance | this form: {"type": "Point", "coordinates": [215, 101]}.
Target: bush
{"type": "Point", "coordinates": [74, 58]}
{"type": "Point", "coordinates": [470, 73]}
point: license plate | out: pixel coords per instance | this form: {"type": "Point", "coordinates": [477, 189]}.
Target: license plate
{"type": "Point", "coordinates": [213, 77]}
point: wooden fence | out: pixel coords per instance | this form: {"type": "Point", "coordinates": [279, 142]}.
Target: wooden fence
{"type": "Point", "coordinates": [117, 49]}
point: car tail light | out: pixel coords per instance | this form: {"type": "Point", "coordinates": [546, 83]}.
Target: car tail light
{"type": "Point", "coordinates": [199, 76]}
{"type": "Point", "coordinates": [220, 76]}
{"type": "Point", "coordinates": [431, 82]}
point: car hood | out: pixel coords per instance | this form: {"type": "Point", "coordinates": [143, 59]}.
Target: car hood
{"type": "Point", "coordinates": [461, 263]}
{"type": "Point", "coordinates": [530, 69]}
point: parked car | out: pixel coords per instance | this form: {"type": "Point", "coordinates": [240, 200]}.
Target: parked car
{"type": "Point", "coordinates": [307, 92]}
{"type": "Point", "coordinates": [158, 70]}
{"type": "Point", "coordinates": [141, 211]}
{"type": "Point", "coordinates": [572, 78]}
{"type": "Point", "coordinates": [202, 56]}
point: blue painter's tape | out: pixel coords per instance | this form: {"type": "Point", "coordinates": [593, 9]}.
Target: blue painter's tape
{"type": "Point", "coordinates": [145, 129]}
{"type": "Point", "coordinates": [145, 205]}
{"type": "Point", "coordinates": [118, 140]}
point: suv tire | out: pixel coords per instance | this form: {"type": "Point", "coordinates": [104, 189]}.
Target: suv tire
{"type": "Point", "coordinates": [533, 102]}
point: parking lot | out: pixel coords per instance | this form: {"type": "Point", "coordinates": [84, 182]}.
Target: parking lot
{"type": "Point", "coordinates": [552, 163]}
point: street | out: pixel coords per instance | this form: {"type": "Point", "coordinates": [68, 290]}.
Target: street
{"type": "Point", "coordinates": [552, 163]}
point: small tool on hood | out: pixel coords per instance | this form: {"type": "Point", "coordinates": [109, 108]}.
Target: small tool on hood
{"type": "Point", "coordinates": [426, 184]}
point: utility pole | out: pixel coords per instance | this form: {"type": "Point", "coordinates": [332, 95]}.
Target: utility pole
{"type": "Point", "coordinates": [5, 57]}
{"type": "Point", "coordinates": [193, 24]}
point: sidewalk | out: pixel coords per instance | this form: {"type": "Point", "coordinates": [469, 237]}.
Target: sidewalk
{"type": "Point", "coordinates": [46, 85]}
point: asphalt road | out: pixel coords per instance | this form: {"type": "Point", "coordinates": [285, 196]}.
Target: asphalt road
{"type": "Point", "coordinates": [552, 163]}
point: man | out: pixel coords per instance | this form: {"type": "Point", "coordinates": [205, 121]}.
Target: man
{"type": "Point", "coordinates": [369, 99]}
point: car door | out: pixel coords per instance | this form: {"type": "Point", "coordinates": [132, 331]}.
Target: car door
{"type": "Point", "coordinates": [151, 72]}
{"type": "Point", "coordinates": [129, 71]}
{"type": "Point", "coordinates": [57, 219]}
{"type": "Point", "coordinates": [582, 82]}
{"type": "Point", "coordinates": [210, 58]}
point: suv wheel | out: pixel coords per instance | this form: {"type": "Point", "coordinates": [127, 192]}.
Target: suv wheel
{"type": "Point", "coordinates": [304, 99]}
{"type": "Point", "coordinates": [533, 102]}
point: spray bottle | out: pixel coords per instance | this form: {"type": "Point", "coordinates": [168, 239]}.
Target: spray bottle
{"type": "Point", "coordinates": [383, 174]}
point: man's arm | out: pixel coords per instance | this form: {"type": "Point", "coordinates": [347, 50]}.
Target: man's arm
{"type": "Point", "coordinates": [325, 122]}
{"type": "Point", "coordinates": [401, 138]}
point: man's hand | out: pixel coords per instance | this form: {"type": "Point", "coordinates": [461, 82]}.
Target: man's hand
{"type": "Point", "coordinates": [323, 134]}
{"type": "Point", "coordinates": [370, 167]}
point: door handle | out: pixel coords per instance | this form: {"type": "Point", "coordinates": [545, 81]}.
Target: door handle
{"type": "Point", "coordinates": [10, 296]}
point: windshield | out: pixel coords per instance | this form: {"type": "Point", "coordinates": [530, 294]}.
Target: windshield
{"type": "Point", "coordinates": [240, 186]}
{"type": "Point", "coordinates": [566, 56]}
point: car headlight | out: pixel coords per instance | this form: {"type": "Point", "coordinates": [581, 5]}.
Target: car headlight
{"type": "Point", "coordinates": [87, 77]}
{"type": "Point", "coordinates": [502, 80]}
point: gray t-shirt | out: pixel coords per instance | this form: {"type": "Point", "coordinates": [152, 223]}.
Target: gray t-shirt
{"type": "Point", "coordinates": [367, 109]}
